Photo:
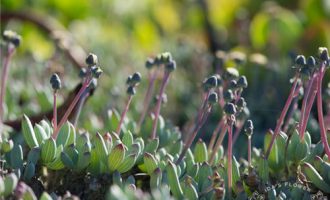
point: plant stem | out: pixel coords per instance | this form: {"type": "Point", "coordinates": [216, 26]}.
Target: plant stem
{"type": "Point", "coordinates": [123, 114]}
{"type": "Point", "coordinates": [191, 138]}
{"type": "Point", "coordinates": [218, 143]}
{"type": "Point", "coordinates": [4, 77]}
{"type": "Point", "coordinates": [72, 105]}
{"type": "Point", "coordinates": [249, 149]}
{"type": "Point", "coordinates": [303, 107]}
{"type": "Point", "coordinates": [320, 112]}
{"type": "Point", "coordinates": [80, 106]}
{"type": "Point", "coordinates": [147, 97]}
{"type": "Point", "coordinates": [308, 108]}
{"type": "Point", "coordinates": [55, 111]}
{"type": "Point", "coordinates": [219, 127]}
{"type": "Point", "coordinates": [294, 107]}
{"type": "Point", "coordinates": [281, 119]}
{"type": "Point", "coordinates": [230, 147]}
{"type": "Point", "coordinates": [159, 102]}
{"type": "Point", "coordinates": [199, 115]}
{"type": "Point", "coordinates": [239, 126]}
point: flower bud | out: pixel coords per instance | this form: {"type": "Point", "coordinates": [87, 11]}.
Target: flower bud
{"type": "Point", "coordinates": [248, 128]}
{"type": "Point", "coordinates": [228, 95]}
{"type": "Point", "coordinates": [129, 80]}
{"type": "Point", "coordinates": [300, 60]}
{"type": "Point", "coordinates": [166, 57]}
{"type": "Point", "coordinates": [149, 63]}
{"type": "Point", "coordinates": [91, 59]}
{"type": "Point", "coordinates": [311, 61]}
{"type": "Point", "coordinates": [232, 85]}
{"type": "Point", "coordinates": [211, 82]}
{"type": "Point", "coordinates": [55, 81]}
{"type": "Point", "coordinates": [323, 53]}
{"type": "Point", "coordinates": [171, 66]}
{"type": "Point", "coordinates": [12, 37]}
{"type": "Point", "coordinates": [131, 90]}
{"type": "Point", "coordinates": [230, 73]}
{"type": "Point", "coordinates": [83, 73]}
{"type": "Point", "coordinates": [242, 82]}
{"type": "Point", "coordinates": [219, 80]}
{"type": "Point", "coordinates": [241, 103]}
{"type": "Point", "coordinates": [229, 109]}
{"type": "Point", "coordinates": [158, 60]}
{"type": "Point", "coordinates": [96, 72]}
{"type": "Point", "coordinates": [136, 78]}
{"type": "Point", "coordinates": [213, 98]}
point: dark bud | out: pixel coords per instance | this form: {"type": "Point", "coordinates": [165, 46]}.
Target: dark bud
{"type": "Point", "coordinates": [96, 72]}
{"type": "Point", "coordinates": [242, 82]}
{"type": "Point", "coordinates": [211, 82]}
{"type": "Point", "coordinates": [83, 73]}
{"type": "Point", "coordinates": [149, 63]}
{"type": "Point", "coordinates": [171, 66]}
{"type": "Point", "coordinates": [131, 90]}
{"type": "Point", "coordinates": [12, 37]}
{"type": "Point", "coordinates": [229, 109]}
{"type": "Point", "coordinates": [243, 114]}
{"type": "Point", "coordinates": [136, 78]}
{"type": "Point", "coordinates": [129, 80]}
{"type": "Point", "coordinates": [248, 128]}
{"type": "Point", "coordinates": [55, 81]}
{"type": "Point", "coordinates": [311, 61]}
{"type": "Point", "coordinates": [232, 85]}
{"type": "Point", "coordinates": [213, 98]}
{"type": "Point", "coordinates": [323, 53]}
{"type": "Point", "coordinates": [300, 60]}
{"type": "Point", "coordinates": [91, 59]}
{"type": "Point", "coordinates": [219, 80]}
{"type": "Point", "coordinates": [166, 57]}
{"type": "Point", "coordinates": [241, 103]}
{"type": "Point", "coordinates": [228, 95]}
{"type": "Point", "coordinates": [158, 59]}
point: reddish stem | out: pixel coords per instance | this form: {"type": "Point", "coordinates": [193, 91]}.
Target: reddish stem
{"type": "Point", "coordinates": [123, 114]}
{"type": "Point", "coordinates": [72, 105]}
{"type": "Point", "coordinates": [199, 115]}
{"type": "Point", "coordinates": [239, 126]}
{"type": "Point", "coordinates": [320, 112]}
{"type": "Point", "coordinates": [230, 147]}
{"type": "Point", "coordinates": [304, 105]}
{"type": "Point", "coordinates": [4, 77]}
{"type": "Point", "coordinates": [308, 109]}
{"type": "Point", "coordinates": [218, 144]}
{"type": "Point", "coordinates": [281, 119]}
{"type": "Point", "coordinates": [219, 127]}
{"type": "Point", "coordinates": [159, 102]}
{"type": "Point", "coordinates": [54, 112]}
{"type": "Point", "coordinates": [147, 98]}
{"type": "Point", "coordinates": [249, 149]}
{"type": "Point", "coordinates": [190, 140]}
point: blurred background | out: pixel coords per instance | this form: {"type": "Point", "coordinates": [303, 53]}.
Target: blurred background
{"type": "Point", "coordinates": [265, 34]}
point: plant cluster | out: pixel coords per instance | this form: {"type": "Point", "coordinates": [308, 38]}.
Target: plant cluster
{"type": "Point", "coordinates": [149, 159]}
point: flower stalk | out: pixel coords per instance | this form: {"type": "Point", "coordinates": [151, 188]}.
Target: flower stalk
{"type": "Point", "coordinates": [320, 110]}
{"type": "Point", "coordinates": [283, 114]}
{"type": "Point", "coordinates": [170, 66]}
{"type": "Point", "coordinates": [13, 41]}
